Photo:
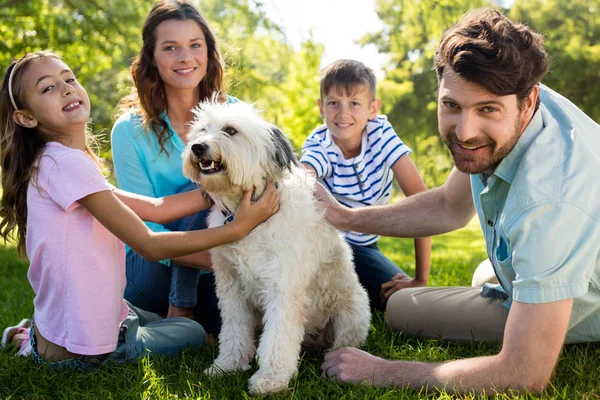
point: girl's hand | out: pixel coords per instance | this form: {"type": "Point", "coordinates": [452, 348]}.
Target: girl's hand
{"type": "Point", "coordinates": [249, 215]}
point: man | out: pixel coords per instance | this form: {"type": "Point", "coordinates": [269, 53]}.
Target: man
{"type": "Point", "coordinates": [527, 161]}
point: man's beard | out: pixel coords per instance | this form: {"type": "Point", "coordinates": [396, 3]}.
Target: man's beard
{"type": "Point", "coordinates": [485, 162]}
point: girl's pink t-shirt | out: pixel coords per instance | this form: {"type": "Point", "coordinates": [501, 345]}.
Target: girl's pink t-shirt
{"type": "Point", "coordinates": [77, 267]}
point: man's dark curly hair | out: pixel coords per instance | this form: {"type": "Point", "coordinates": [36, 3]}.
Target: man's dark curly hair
{"type": "Point", "coordinates": [487, 48]}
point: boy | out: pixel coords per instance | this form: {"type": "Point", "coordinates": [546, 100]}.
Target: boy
{"type": "Point", "coordinates": [356, 155]}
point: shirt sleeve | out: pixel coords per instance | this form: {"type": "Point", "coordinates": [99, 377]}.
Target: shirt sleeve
{"type": "Point", "coordinates": [232, 100]}
{"type": "Point", "coordinates": [130, 167]}
{"type": "Point", "coordinates": [392, 146]}
{"type": "Point", "coordinates": [554, 250]}
{"type": "Point", "coordinates": [73, 176]}
{"type": "Point", "coordinates": [314, 154]}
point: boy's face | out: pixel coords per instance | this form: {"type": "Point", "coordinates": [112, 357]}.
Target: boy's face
{"type": "Point", "coordinates": [346, 114]}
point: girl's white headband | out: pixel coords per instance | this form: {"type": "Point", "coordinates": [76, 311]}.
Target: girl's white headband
{"type": "Point", "coordinates": [10, 92]}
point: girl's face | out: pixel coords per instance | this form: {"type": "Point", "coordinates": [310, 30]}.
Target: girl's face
{"type": "Point", "coordinates": [54, 101]}
{"type": "Point", "coordinates": [180, 54]}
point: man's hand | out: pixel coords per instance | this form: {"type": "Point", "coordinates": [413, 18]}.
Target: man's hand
{"type": "Point", "coordinates": [398, 282]}
{"type": "Point", "coordinates": [334, 211]}
{"type": "Point", "coordinates": [350, 365]}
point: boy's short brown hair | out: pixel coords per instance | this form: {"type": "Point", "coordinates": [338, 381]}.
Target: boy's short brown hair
{"type": "Point", "coordinates": [487, 48]}
{"type": "Point", "coordinates": [349, 76]}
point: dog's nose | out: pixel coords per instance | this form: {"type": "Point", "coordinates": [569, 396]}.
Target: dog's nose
{"type": "Point", "coordinates": [199, 149]}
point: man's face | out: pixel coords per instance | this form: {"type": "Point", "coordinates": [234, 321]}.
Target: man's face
{"type": "Point", "coordinates": [479, 128]}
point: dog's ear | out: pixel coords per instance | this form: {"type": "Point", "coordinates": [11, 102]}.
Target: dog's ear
{"type": "Point", "coordinates": [284, 153]}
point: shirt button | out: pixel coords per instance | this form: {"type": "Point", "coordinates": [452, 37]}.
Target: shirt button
{"type": "Point", "coordinates": [355, 165]}
{"type": "Point", "coordinates": [362, 184]}
{"type": "Point", "coordinates": [360, 176]}
{"type": "Point", "coordinates": [490, 222]}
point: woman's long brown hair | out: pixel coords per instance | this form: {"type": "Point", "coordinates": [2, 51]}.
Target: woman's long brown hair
{"type": "Point", "coordinates": [149, 96]}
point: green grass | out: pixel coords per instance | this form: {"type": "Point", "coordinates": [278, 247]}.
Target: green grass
{"type": "Point", "coordinates": [455, 256]}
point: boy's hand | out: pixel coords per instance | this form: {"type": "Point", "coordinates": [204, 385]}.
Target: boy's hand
{"type": "Point", "coordinates": [249, 215]}
{"type": "Point", "coordinates": [398, 282]}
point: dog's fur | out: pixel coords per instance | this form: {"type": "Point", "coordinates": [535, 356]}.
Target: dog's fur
{"type": "Point", "coordinates": [293, 275]}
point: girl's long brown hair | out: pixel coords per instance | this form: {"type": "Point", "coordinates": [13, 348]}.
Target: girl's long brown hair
{"type": "Point", "coordinates": [149, 96]}
{"type": "Point", "coordinates": [19, 149]}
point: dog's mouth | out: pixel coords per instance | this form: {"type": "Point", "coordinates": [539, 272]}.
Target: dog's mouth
{"type": "Point", "coordinates": [209, 167]}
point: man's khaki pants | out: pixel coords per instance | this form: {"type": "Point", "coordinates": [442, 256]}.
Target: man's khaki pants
{"type": "Point", "coordinates": [451, 313]}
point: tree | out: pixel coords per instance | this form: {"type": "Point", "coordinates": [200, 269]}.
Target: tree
{"type": "Point", "coordinates": [261, 67]}
{"type": "Point", "coordinates": [411, 32]}
{"type": "Point", "coordinates": [89, 35]}
{"type": "Point", "coordinates": [572, 32]}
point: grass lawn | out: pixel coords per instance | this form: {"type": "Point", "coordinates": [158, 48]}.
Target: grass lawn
{"type": "Point", "coordinates": [454, 258]}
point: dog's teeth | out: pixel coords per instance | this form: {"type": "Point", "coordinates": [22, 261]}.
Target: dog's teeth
{"type": "Point", "coordinates": [212, 165]}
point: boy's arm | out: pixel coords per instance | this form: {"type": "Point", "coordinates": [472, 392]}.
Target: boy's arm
{"type": "Point", "coordinates": [410, 181]}
{"type": "Point", "coordinates": [164, 209]}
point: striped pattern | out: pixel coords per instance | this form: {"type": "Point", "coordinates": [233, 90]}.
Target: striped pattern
{"type": "Point", "coordinates": [361, 181]}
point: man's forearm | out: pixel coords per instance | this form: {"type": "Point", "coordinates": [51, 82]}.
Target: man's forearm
{"type": "Point", "coordinates": [421, 215]}
{"type": "Point", "coordinates": [479, 375]}
{"type": "Point", "coordinates": [434, 212]}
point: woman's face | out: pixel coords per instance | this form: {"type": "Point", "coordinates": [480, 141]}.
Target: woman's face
{"type": "Point", "coordinates": [180, 54]}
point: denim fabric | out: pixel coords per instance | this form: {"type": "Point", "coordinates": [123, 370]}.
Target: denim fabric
{"type": "Point", "coordinates": [142, 334]}
{"type": "Point", "coordinates": [373, 269]}
{"type": "Point", "coordinates": [493, 291]}
{"type": "Point", "coordinates": [153, 285]}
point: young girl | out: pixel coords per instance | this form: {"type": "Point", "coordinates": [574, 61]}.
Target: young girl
{"type": "Point", "coordinates": [178, 66]}
{"type": "Point", "coordinates": [72, 223]}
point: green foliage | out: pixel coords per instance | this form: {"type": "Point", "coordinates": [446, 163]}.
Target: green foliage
{"type": "Point", "coordinates": [89, 35]}
{"type": "Point", "coordinates": [572, 32]}
{"type": "Point", "coordinates": [410, 34]}
{"type": "Point", "coordinates": [98, 39]}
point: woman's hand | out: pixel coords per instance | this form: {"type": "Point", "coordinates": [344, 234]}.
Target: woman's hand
{"type": "Point", "coordinates": [249, 215]}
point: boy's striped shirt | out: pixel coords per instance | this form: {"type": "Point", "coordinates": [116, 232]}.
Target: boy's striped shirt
{"type": "Point", "coordinates": [364, 180]}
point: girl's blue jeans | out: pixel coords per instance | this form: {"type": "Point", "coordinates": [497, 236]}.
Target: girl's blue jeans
{"type": "Point", "coordinates": [142, 333]}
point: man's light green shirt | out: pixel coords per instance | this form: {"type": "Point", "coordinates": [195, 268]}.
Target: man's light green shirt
{"type": "Point", "coordinates": [540, 214]}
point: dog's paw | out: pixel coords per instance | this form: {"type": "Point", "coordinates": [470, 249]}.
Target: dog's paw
{"type": "Point", "coordinates": [265, 383]}
{"type": "Point", "coordinates": [221, 369]}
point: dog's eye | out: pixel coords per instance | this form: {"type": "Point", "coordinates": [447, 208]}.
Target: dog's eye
{"type": "Point", "coordinates": [230, 130]}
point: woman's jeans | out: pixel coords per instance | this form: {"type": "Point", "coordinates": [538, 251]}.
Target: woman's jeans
{"type": "Point", "coordinates": [153, 286]}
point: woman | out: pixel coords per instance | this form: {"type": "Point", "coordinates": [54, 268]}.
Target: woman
{"type": "Point", "coordinates": [178, 66]}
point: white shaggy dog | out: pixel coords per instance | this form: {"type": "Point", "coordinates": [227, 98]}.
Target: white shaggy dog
{"type": "Point", "coordinates": [293, 275]}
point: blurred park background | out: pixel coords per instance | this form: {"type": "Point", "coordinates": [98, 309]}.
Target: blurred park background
{"type": "Point", "coordinates": [99, 38]}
